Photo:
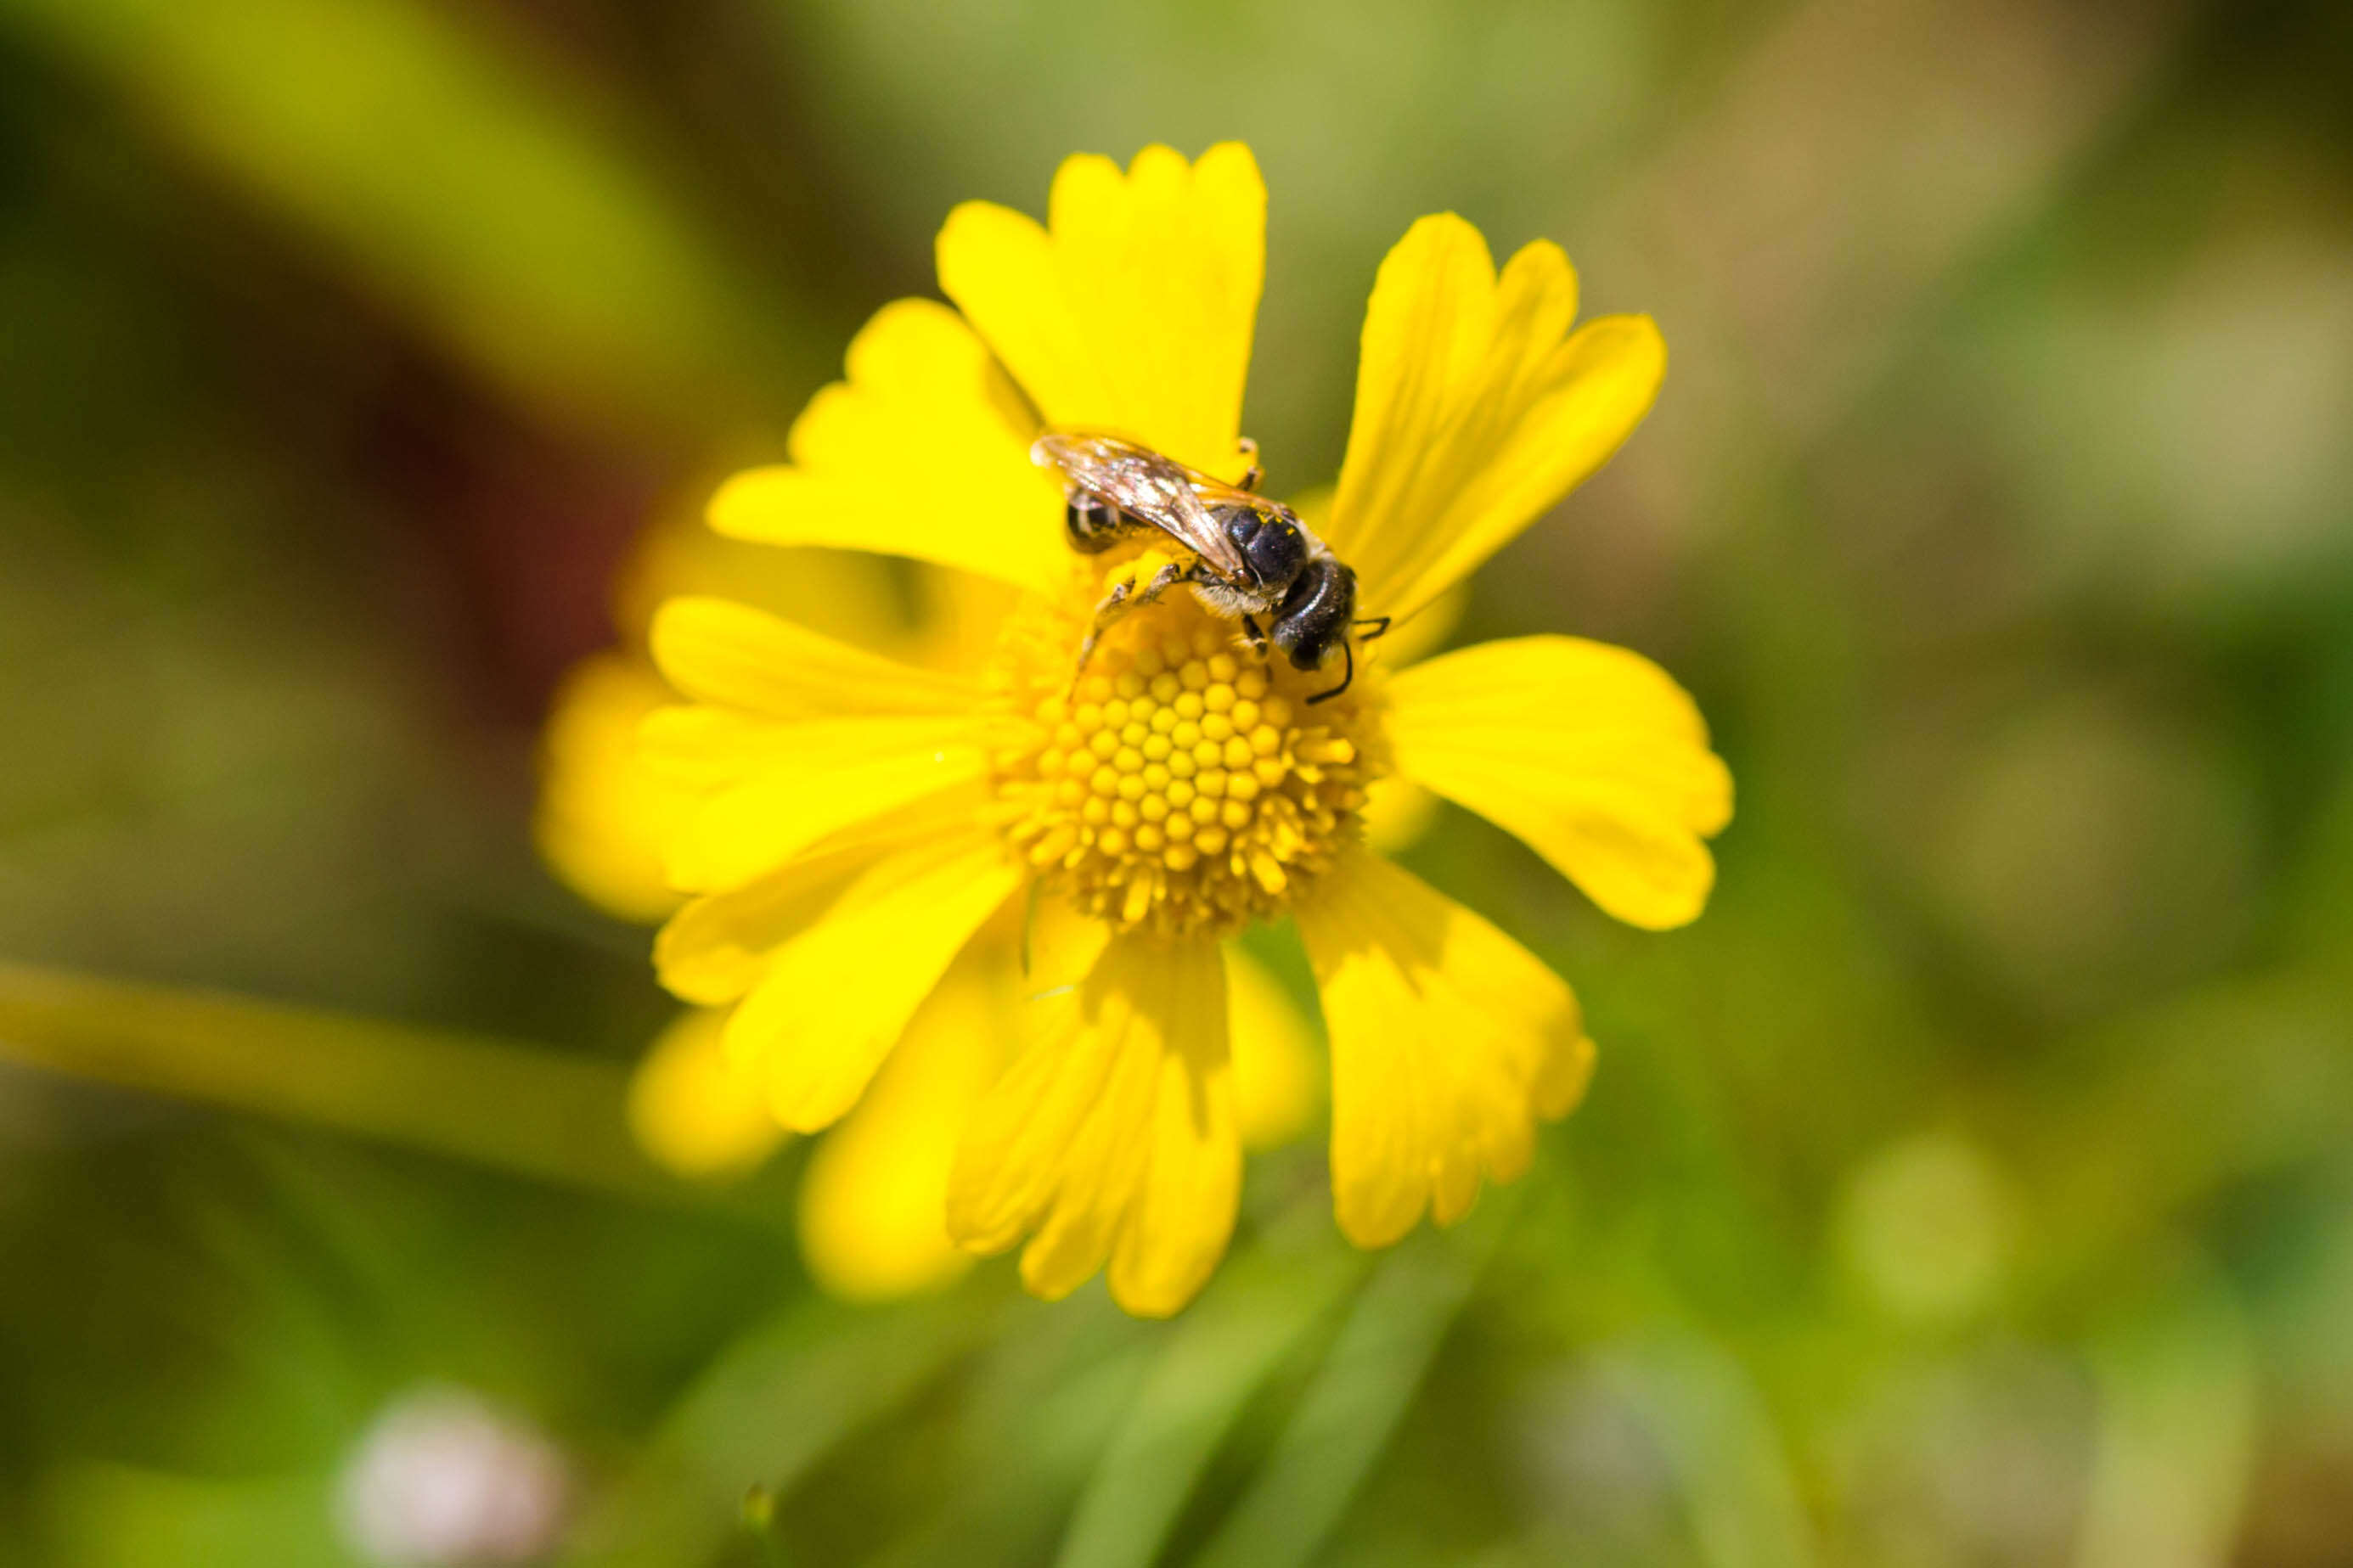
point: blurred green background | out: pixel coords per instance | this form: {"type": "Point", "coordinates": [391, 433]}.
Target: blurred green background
{"type": "Point", "coordinates": [1971, 1186]}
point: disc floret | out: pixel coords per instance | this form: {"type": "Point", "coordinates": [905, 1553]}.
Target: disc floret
{"type": "Point", "coordinates": [1180, 784]}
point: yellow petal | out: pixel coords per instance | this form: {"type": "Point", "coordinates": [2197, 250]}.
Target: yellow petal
{"type": "Point", "coordinates": [923, 451]}
{"type": "Point", "coordinates": [1278, 1071]}
{"type": "Point", "coordinates": [715, 650]}
{"type": "Point", "coordinates": [1477, 408]}
{"type": "Point", "coordinates": [602, 811]}
{"type": "Point", "coordinates": [851, 595]}
{"type": "Point", "coordinates": [767, 791]}
{"type": "Point", "coordinates": [873, 1199]}
{"type": "Point", "coordinates": [1424, 632]}
{"type": "Point", "coordinates": [718, 946]}
{"type": "Point", "coordinates": [835, 999]}
{"type": "Point", "coordinates": [1449, 1039]}
{"type": "Point", "coordinates": [1396, 813]}
{"type": "Point", "coordinates": [1592, 753]}
{"type": "Point", "coordinates": [1131, 310]}
{"type": "Point", "coordinates": [693, 1109]}
{"type": "Point", "coordinates": [961, 616]}
{"type": "Point", "coordinates": [1113, 1138]}
{"type": "Point", "coordinates": [1059, 944]}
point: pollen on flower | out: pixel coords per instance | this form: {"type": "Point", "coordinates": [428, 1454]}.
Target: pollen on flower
{"type": "Point", "coordinates": [1180, 784]}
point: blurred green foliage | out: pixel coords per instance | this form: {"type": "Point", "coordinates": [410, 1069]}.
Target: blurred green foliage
{"type": "Point", "coordinates": [1971, 1186]}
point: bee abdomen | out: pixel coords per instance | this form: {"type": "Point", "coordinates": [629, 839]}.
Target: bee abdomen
{"type": "Point", "coordinates": [1093, 525]}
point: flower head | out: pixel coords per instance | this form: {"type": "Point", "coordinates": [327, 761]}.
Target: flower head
{"type": "Point", "coordinates": [851, 822]}
{"type": "Point", "coordinates": [872, 1200]}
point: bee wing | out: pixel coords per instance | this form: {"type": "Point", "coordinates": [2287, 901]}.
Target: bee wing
{"type": "Point", "coordinates": [1141, 482]}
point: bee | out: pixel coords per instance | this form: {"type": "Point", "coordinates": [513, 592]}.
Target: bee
{"type": "Point", "coordinates": [1253, 557]}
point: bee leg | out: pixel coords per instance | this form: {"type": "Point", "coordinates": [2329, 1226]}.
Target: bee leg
{"type": "Point", "coordinates": [1380, 625]}
{"type": "Point", "coordinates": [1124, 597]}
{"type": "Point", "coordinates": [1167, 577]}
{"type": "Point", "coordinates": [1107, 614]}
{"type": "Point", "coordinates": [1257, 635]}
{"type": "Point", "coordinates": [1254, 473]}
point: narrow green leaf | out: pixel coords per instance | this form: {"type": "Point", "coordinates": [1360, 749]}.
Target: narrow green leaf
{"type": "Point", "coordinates": [1729, 1462]}
{"type": "Point", "coordinates": [765, 1414]}
{"type": "Point", "coordinates": [1217, 1355]}
{"type": "Point", "coordinates": [1033, 1416]}
{"type": "Point", "coordinates": [519, 1108]}
{"type": "Point", "coordinates": [1362, 1392]}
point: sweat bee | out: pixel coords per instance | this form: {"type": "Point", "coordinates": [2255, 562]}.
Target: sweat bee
{"type": "Point", "coordinates": [1252, 556]}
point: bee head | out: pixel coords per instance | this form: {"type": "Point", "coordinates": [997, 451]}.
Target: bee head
{"type": "Point", "coordinates": [1314, 617]}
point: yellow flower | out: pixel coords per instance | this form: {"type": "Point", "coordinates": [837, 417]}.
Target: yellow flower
{"type": "Point", "coordinates": [872, 1201]}
{"type": "Point", "coordinates": [855, 820]}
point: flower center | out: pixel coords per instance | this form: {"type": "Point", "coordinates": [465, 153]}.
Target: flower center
{"type": "Point", "coordinates": [1181, 784]}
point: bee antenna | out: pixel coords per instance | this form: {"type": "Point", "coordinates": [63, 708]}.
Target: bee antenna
{"type": "Point", "coordinates": [1346, 681]}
